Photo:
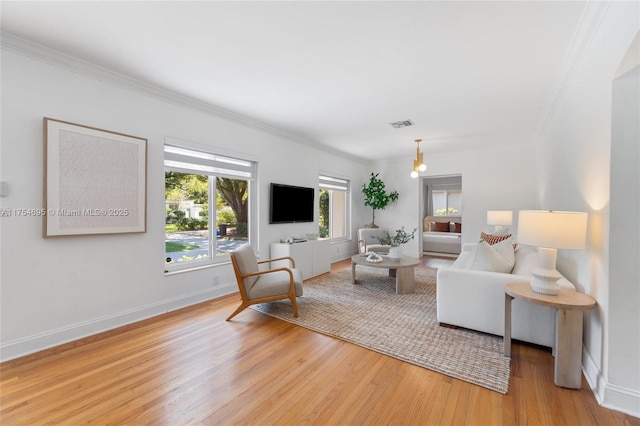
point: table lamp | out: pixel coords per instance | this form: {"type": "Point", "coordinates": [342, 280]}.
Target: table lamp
{"type": "Point", "coordinates": [550, 231]}
{"type": "Point", "coordinates": [500, 219]}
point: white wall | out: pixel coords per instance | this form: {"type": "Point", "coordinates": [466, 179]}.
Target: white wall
{"type": "Point", "coordinates": [576, 169]}
{"type": "Point", "coordinates": [59, 289]}
{"type": "Point", "coordinates": [624, 241]}
{"type": "Point", "coordinates": [492, 179]}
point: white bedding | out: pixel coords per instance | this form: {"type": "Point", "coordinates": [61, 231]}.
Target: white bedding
{"type": "Point", "coordinates": [442, 242]}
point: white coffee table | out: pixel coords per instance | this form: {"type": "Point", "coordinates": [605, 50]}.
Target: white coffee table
{"type": "Point", "coordinates": [402, 269]}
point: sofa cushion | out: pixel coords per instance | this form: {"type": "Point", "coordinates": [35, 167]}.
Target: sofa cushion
{"type": "Point", "coordinates": [526, 260]}
{"type": "Point", "coordinates": [499, 257]}
{"type": "Point", "coordinates": [483, 256]}
{"type": "Point", "coordinates": [464, 260]}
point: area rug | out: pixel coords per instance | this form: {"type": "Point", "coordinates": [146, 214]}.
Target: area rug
{"type": "Point", "coordinates": [404, 326]}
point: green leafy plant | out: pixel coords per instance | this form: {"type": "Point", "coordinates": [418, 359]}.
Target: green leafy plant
{"type": "Point", "coordinates": [376, 196]}
{"type": "Point", "coordinates": [401, 237]}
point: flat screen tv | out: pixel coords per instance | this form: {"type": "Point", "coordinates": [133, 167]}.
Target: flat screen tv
{"type": "Point", "coordinates": [291, 204]}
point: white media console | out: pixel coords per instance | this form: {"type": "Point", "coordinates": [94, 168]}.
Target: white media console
{"type": "Point", "coordinates": [312, 257]}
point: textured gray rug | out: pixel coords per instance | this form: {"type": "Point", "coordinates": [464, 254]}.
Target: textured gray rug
{"type": "Point", "coordinates": [371, 315]}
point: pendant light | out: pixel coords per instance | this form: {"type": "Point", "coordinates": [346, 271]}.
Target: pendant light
{"type": "Point", "coordinates": [418, 163]}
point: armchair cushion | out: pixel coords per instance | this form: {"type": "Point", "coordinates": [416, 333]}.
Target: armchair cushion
{"type": "Point", "coordinates": [275, 283]}
{"type": "Point", "coordinates": [248, 264]}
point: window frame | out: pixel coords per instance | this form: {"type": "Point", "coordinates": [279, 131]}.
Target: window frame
{"type": "Point", "coordinates": [446, 197]}
{"type": "Point", "coordinates": [212, 162]}
{"type": "Point", "coordinates": [332, 182]}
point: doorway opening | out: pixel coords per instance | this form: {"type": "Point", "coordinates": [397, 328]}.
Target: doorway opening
{"type": "Point", "coordinates": [441, 215]}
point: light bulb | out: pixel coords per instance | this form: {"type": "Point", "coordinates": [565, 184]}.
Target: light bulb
{"type": "Point", "coordinates": [414, 174]}
{"type": "Point", "coordinates": [422, 167]}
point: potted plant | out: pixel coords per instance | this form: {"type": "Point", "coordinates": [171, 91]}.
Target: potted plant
{"type": "Point", "coordinates": [376, 196]}
{"type": "Point", "coordinates": [401, 237]}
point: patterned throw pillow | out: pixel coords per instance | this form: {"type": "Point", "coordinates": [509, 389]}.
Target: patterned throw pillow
{"type": "Point", "coordinates": [494, 239]}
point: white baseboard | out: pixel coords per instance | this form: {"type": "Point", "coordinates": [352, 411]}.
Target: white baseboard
{"type": "Point", "coordinates": [37, 342]}
{"type": "Point", "coordinates": [620, 399]}
{"type": "Point", "coordinates": [610, 396]}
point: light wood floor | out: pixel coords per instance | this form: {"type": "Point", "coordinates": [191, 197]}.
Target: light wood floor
{"type": "Point", "coordinates": [192, 367]}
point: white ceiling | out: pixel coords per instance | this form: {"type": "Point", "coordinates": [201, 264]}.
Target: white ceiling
{"type": "Point", "coordinates": [468, 74]}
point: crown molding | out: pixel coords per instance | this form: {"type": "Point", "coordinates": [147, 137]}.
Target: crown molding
{"type": "Point", "coordinates": [588, 24]}
{"type": "Point", "coordinates": [71, 63]}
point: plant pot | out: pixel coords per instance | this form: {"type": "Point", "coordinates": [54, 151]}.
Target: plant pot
{"type": "Point", "coordinates": [394, 253]}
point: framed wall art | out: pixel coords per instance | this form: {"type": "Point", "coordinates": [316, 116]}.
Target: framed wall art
{"type": "Point", "coordinates": [94, 181]}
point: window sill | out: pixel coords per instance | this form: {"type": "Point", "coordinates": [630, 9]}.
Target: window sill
{"type": "Point", "coordinates": [168, 273]}
{"type": "Point", "coordinates": [338, 240]}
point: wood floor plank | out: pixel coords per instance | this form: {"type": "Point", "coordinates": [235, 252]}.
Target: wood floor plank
{"type": "Point", "coordinates": [191, 367]}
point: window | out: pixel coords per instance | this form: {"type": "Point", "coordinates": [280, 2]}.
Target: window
{"type": "Point", "coordinates": [334, 208]}
{"type": "Point", "coordinates": [208, 199]}
{"type": "Point", "coordinates": [446, 202]}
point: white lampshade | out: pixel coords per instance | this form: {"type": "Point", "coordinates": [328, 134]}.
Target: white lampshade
{"type": "Point", "coordinates": [552, 229]}
{"type": "Point", "coordinates": [500, 217]}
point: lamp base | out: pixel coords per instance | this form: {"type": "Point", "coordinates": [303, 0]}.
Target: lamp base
{"type": "Point", "coordinates": [545, 284]}
{"type": "Point", "coordinates": [545, 276]}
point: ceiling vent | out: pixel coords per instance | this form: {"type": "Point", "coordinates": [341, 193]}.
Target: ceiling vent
{"type": "Point", "coordinates": [401, 124]}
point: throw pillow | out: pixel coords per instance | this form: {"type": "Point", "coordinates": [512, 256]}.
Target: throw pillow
{"type": "Point", "coordinates": [442, 226]}
{"type": "Point", "coordinates": [494, 239]}
{"type": "Point", "coordinates": [458, 228]}
{"type": "Point", "coordinates": [498, 257]}
{"type": "Point", "coordinates": [526, 260]}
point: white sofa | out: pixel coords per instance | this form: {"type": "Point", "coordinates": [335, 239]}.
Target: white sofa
{"type": "Point", "coordinates": [474, 299]}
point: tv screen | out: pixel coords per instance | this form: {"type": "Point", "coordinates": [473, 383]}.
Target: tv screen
{"type": "Point", "coordinates": [291, 204]}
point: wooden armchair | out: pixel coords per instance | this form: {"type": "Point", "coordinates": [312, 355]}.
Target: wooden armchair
{"type": "Point", "coordinates": [258, 286]}
{"type": "Point", "coordinates": [368, 240]}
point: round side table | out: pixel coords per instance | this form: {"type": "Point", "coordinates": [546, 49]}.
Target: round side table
{"type": "Point", "coordinates": [569, 306]}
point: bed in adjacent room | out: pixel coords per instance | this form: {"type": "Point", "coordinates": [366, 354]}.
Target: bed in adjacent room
{"type": "Point", "coordinates": [442, 234]}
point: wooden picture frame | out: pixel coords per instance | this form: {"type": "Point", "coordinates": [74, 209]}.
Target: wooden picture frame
{"type": "Point", "coordinates": [95, 181]}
